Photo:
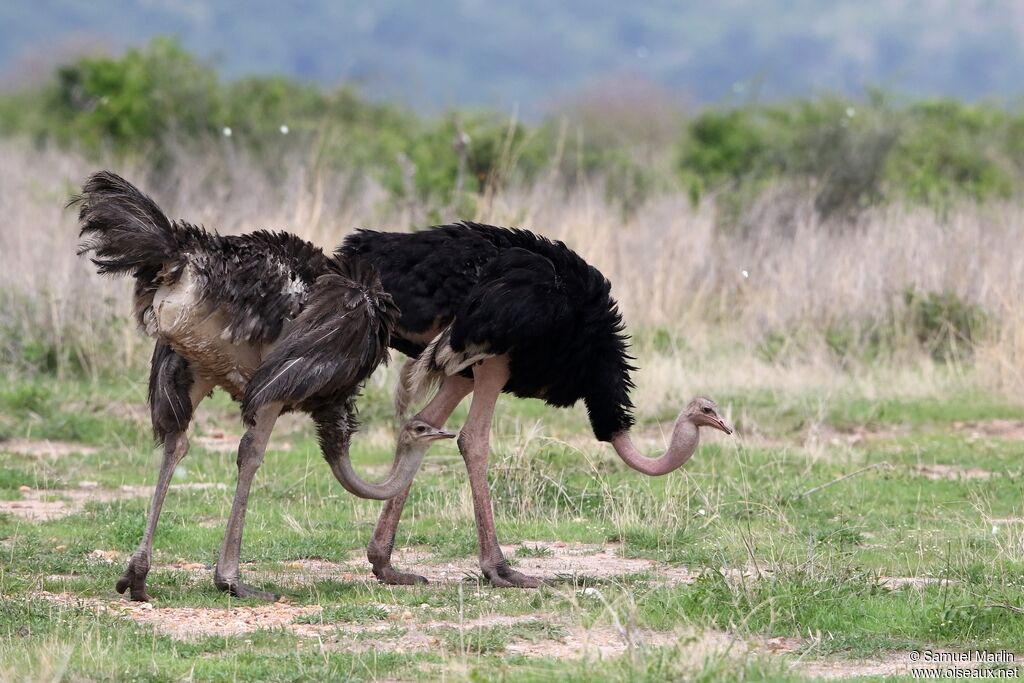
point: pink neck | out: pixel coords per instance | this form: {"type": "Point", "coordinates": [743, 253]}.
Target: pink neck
{"type": "Point", "coordinates": [685, 438]}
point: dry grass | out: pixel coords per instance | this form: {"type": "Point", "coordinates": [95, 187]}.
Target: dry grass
{"type": "Point", "coordinates": [672, 269]}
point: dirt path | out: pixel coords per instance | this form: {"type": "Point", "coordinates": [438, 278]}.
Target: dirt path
{"type": "Point", "coordinates": [407, 630]}
{"type": "Point", "coordinates": [43, 505]}
{"type": "Point", "coordinates": [403, 630]}
{"type": "Point", "coordinates": [44, 448]}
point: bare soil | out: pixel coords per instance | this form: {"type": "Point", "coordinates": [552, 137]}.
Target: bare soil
{"type": "Point", "coordinates": [565, 561]}
{"type": "Point", "coordinates": [412, 633]}
{"type": "Point", "coordinates": [951, 472]}
{"type": "Point", "coordinates": [913, 581]}
{"type": "Point", "coordinates": [44, 448]}
{"type": "Point", "coordinates": [1002, 429]}
{"type": "Point", "coordinates": [406, 630]}
{"type": "Point", "coordinates": [42, 505]}
{"type": "Point", "coordinates": [218, 441]}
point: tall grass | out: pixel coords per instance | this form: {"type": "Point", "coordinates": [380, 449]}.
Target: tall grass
{"type": "Point", "coordinates": [779, 293]}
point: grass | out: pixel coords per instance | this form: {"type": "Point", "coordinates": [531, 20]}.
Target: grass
{"type": "Point", "coordinates": [783, 542]}
{"type": "Point", "coordinates": [795, 529]}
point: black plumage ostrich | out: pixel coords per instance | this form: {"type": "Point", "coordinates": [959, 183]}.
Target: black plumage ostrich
{"type": "Point", "coordinates": [490, 310]}
{"type": "Point", "coordinates": [267, 317]}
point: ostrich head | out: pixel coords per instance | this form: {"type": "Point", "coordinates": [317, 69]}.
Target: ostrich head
{"type": "Point", "coordinates": [703, 412]}
{"type": "Point", "coordinates": [414, 439]}
{"type": "Point", "coordinates": [418, 434]}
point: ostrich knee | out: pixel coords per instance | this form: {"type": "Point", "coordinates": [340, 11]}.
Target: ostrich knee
{"type": "Point", "coordinates": [474, 448]}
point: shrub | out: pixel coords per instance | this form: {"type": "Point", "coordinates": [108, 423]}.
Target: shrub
{"type": "Point", "coordinates": [943, 323]}
{"type": "Point", "coordinates": [950, 149]}
{"type": "Point", "coordinates": [133, 102]}
{"type": "Point", "coordinates": [852, 154]}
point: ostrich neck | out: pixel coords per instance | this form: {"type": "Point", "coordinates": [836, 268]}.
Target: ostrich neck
{"type": "Point", "coordinates": [407, 462]}
{"type": "Point", "coordinates": [685, 437]}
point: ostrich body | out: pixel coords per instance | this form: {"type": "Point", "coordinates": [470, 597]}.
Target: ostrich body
{"type": "Point", "coordinates": [486, 310]}
{"type": "Point", "coordinates": [267, 317]}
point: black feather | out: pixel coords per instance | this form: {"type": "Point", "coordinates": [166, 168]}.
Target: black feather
{"type": "Point", "coordinates": [511, 291]}
{"type": "Point", "coordinates": [170, 380]}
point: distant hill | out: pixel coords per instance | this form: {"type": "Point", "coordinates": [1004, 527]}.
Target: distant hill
{"type": "Point", "coordinates": [532, 52]}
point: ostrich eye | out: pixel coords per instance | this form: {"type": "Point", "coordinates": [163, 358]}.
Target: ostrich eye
{"type": "Point", "coordinates": [708, 411]}
{"type": "Point", "coordinates": [420, 429]}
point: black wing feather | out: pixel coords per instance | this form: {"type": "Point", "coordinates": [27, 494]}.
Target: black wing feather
{"type": "Point", "coordinates": [517, 300]}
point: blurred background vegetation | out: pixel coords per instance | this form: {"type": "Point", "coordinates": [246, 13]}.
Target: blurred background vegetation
{"type": "Point", "coordinates": [874, 225]}
{"type": "Point", "coordinates": [158, 101]}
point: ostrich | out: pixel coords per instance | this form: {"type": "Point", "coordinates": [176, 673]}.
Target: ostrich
{"type": "Point", "coordinates": [265, 316]}
{"type": "Point", "coordinates": [486, 310]}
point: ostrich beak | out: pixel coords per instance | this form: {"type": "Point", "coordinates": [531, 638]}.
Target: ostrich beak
{"type": "Point", "coordinates": [442, 434]}
{"type": "Point", "coordinates": [721, 425]}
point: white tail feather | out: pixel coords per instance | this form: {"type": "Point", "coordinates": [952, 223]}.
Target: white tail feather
{"type": "Point", "coordinates": [438, 360]}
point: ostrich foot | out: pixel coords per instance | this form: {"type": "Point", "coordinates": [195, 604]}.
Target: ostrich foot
{"type": "Point", "coordinates": [240, 590]}
{"type": "Point", "coordinates": [387, 574]}
{"type": "Point", "coordinates": [134, 577]}
{"type": "Point", "coordinates": [503, 576]}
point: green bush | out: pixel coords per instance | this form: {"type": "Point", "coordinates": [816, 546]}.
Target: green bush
{"type": "Point", "coordinates": [852, 154]}
{"type": "Point", "coordinates": [730, 146]}
{"type": "Point", "coordinates": [949, 150]}
{"type": "Point", "coordinates": [134, 102]}
{"type": "Point", "coordinates": [943, 323]}
{"type": "Point", "coordinates": [159, 99]}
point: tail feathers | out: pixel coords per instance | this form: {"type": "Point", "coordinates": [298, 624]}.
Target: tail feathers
{"type": "Point", "coordinates": [124, 229]}
{"type": "Point", "coordinates": [437, 361]}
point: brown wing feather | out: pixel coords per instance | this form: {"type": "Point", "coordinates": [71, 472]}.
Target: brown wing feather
{"type": "Point", "coordinates": [334, 344]}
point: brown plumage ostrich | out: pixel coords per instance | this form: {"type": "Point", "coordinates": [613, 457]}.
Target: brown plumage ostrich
{"type": "Point", "coordinates": [265, 316]}
{"type": "Point", "coordinates": [486, 310]}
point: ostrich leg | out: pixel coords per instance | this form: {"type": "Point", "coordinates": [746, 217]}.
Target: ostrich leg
{"type": "Point", "coordinates": [489, 378]}
{"type": "Point", "coordinates": [453, 389]}
{"type": "Point", "coordinates": [250, 456]}
{"type": "Point", "coordinates": [175, 448]}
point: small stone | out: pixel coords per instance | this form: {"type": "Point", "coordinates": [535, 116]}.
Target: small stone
{"type": "Point", "coordinates": [87, 484]}
{"type": "Point", "coordinates": [424, 605]}
{"type": "Point", "coordinates": [558, 544]}
{"type": "Point", "coordinates": [105, 555]}
{"type": "Point", "coordinates": [24, 489]}
{"type": "Point", "coordinates": [61, 548]}
{"type": "Point", "coordinates": [296, 565]}
{"type": "Point", "coordinates": [407, 615]}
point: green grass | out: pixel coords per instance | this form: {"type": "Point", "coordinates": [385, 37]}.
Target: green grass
{"type": "Point", "coordinates": [785, 541]}
{"type": "Point", "coordinates": [494, 639]}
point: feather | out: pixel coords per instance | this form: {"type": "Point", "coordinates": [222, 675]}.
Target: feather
{"type": "Point", "coordinates": [492, 291]}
